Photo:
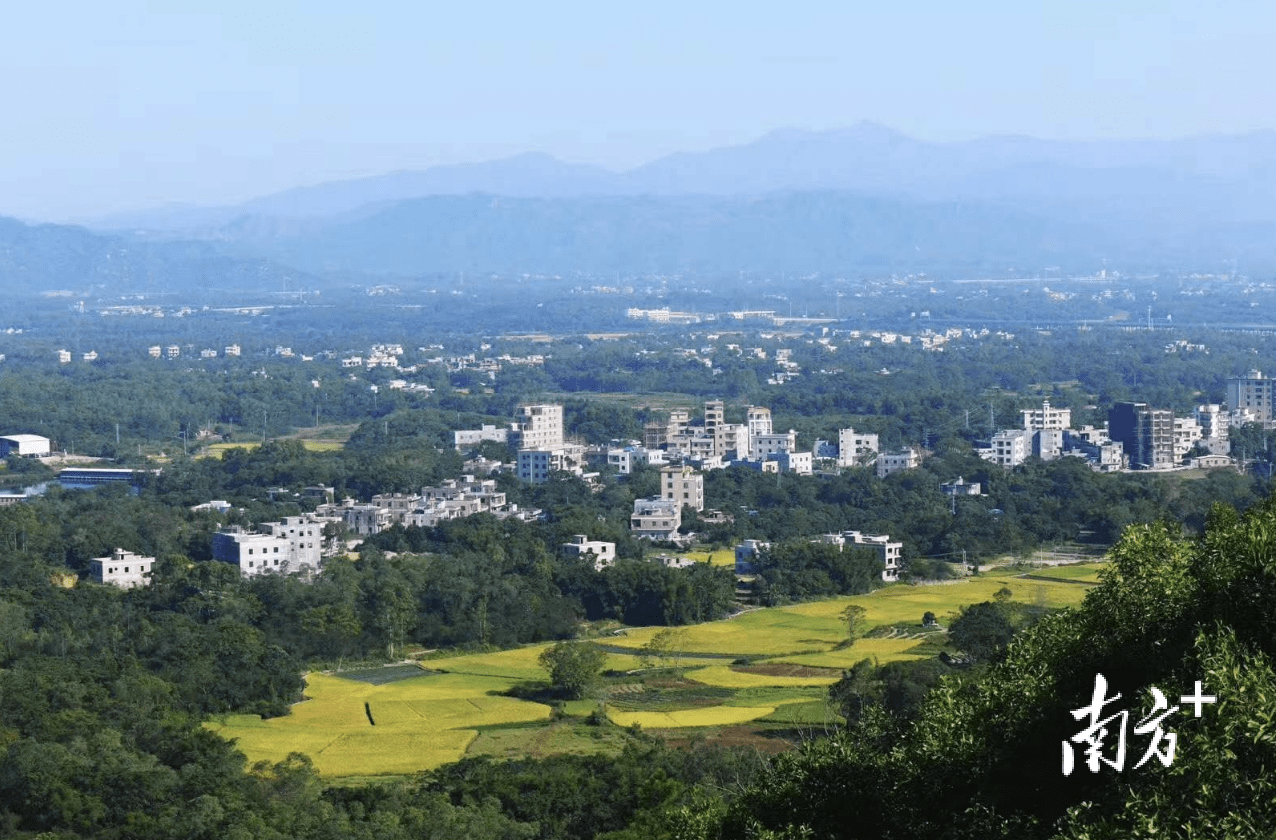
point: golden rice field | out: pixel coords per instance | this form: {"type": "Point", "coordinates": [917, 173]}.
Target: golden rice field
{"type": "Point", "coordinates": [420, 723]}
{"type": "Point", "coordinates": [426, 721]}
{"type": "Point", "coordinates": [721, 557]}
{"type": "Point", "coordinates": [817, 627]}
{"type": "Point", "coordinates": [215, 450]}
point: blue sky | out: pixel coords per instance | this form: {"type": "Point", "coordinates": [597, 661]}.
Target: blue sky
{"type": "Point", "coordinates": [126, 104]}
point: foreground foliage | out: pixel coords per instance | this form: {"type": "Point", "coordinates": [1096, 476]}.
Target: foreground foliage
{"type": "Point", "coordinates": [987, 752]}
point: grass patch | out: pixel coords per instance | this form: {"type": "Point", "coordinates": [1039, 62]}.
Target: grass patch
{"type": "Point", "coordinates": [553, 739]}
{"type": "Point", "coordinates": [810, 713]}
{"type": "Point", "coordinates": [381, 676]}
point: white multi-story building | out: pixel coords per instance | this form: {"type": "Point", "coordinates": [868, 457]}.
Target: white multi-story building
{"type": "Point", "coordinates": [123, 569]}
{"type": "Point", "coordinates": [466, 438]}
{"type": "Point", "coordinates": [535, 465]}
{"type": "Point", "coordinates": [1187, 433]}
{"type": "Point", "coordinates": [764, 445]}
{"type": "Point", "coordinates": [1010, 447]}
{"type": "Point", "coordinates": [893, 462]}
{"type": "Point", "coordinates": [656, 519]}
{"type": "Point", "coordinates": [854, 448]}
{"type": "Point", "coordinates": [604, 553]}
{"type": "Point", "coordinates": [758, 419]}
{"type": "Point", "coordinates": [365, 520]}
{"type": "Point", "coordinates": [304, 535]}
{"type": "Point", "coordinates": [1047, 444]}
{"type": "Point", "coordinates": [888, 552]}
{"type": "Point", "coordinates": [232, 350]}
{"type": "Point", "coordinates": [734, 438]}
{"type": "Point", "coordinates": [798, 463]}
{"type": "Point", "coordinates": [539, 427]}
{"type": "Point", "coordinates": [1253, 392]}
{"type": "Point", "coordinates": [682, 485]}
{"type": "Point", "coordinates": [400, 505]}
{"type": "Point", "coordinates": [252, 554]}
{"type": "Point", "coordinates": [1047, 418]}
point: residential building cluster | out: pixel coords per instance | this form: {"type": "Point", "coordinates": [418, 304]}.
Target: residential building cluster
{"type": "Point", "coordinates": [1136, 436]}
{"type": "Point", "coordinates": [889, 553]}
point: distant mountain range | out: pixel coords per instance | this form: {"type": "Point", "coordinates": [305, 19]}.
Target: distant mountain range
{"type": "Point", "coordinates": [1219, 179]}
{"type": "Point", "coordinates": [35, 258]}
{"type": "Point", "coordinates": [864, 199]}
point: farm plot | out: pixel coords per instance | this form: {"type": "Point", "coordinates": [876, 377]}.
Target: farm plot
{"type": "Point", "coordinates": [1080, 572]}
{"type": "Point", "coordinates": [353, 728]}
{"type": "Point", "coordinates": [711, 716]}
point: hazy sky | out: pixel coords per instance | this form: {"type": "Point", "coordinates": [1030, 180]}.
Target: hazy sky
{"type": "Point", "coordinates": [124, 104]}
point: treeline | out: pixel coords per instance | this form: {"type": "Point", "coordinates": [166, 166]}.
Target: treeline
{"type": "Point", "coordinates": [102, 693]}
{"type": "Point", "coordinates": [480, 550]}
{"type": "Point", "coordinates": [982, 758]}
{"type": "Point", "coordinates": [1020, 509]}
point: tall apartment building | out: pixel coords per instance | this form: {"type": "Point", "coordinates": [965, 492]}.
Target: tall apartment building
{"type": "Point", "coordinates": [758, 419]}
{"type": "Point", "coordinates": [855, 447]}
{"type": "Point", "coordinates": [1010, 447]}
{"type": "Point", "coordinates": [682, 485]}
{"type": "Point", "coordinates": [1047, 418]}
{"type": "Point", "coordinates": [1253, 392]}
{"type": "Point", "coordinates": [1146, 434]}
{"type": "Point", "coordinates": [539, 426]}
{"type": "Point", "coordinates": [1214, 428]}
{"type": "Point", "coordinates": [657, 433]}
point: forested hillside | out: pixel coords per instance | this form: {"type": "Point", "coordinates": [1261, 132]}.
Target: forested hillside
{"type": "Point", "coordinates": [983, 758]}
